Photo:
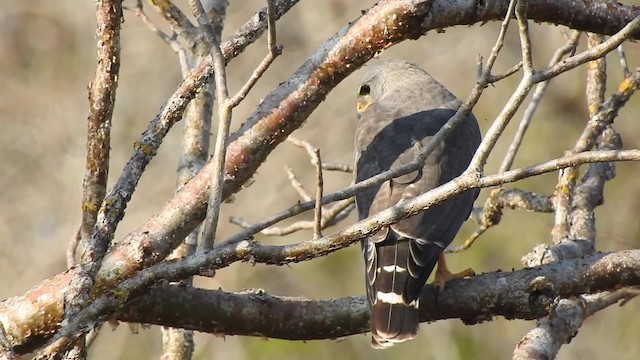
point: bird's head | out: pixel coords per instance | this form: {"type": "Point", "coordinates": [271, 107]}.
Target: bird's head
{"type": "Point", "coordinates": [387, 82]}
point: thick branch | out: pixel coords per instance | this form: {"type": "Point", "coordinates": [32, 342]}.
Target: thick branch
{"type": "Point", "coordinates": [521, 294]}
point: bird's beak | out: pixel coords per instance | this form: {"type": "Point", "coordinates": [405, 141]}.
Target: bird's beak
{"type": "Point", "coordinates": [362, 105]}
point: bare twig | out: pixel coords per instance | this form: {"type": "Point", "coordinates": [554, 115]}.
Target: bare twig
{"type": "Point", "coordinates": [179, 22]}
{"type": "Point", "coordinates": [322, 218]}
{"type": "Point", "coordinates": [623, 61]}
{"type": "Point", "coordinates": [171, 40]}
{"type": "Point", "coordinates": [525, 41]}
{"type": "Point", "coordinates": [495, 78]}
{"type": "Point", "coordinates": [296, 184]}
{"type": "Point", "coordinates": [632, 293]}
{"type": "Point", "coordinates": [102, 93]}
{"type": "Point", "coordinates": [224, 122]}
{"type": "Point", "coordinates": [274, 51]}
{"type": "Point", "coordinates": [255, 76]}
{"type": "Point", "coordinates": [178, 344]}
{"type": "Point", "coordinates": [596, 85]}
{"type": "Point", "coordinates": [329, 217]}
{"type": "Point", "coordinates": [317, 213]}
{"type": "Point", "coordinates": [330, 166]}
{"type": "Point", "coordinates": [305, 145]}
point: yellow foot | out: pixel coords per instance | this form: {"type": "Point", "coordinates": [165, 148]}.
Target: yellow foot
{"type": "Point", "coordinates": [443, 275]}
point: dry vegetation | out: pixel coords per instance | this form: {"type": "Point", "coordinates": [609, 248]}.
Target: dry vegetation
{"type": "Point", "coordinates": [47, 60]}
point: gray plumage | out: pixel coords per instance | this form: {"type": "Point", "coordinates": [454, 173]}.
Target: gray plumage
{"type": "Point", "coordinates": [400, 108]}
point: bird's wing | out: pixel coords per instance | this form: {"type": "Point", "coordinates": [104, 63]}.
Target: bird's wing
{"type": "Point", "coordinates": [384, 142]}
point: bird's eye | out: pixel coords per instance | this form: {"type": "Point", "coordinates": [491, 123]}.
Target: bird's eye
{"type": "Point", "coordinates": [364, 90]}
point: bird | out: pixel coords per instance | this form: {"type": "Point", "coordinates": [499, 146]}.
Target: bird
{"type": "Point", "coordinates": [400, 107]}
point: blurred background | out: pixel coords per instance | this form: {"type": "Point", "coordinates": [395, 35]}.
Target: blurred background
{"type": "Point", "coordinates": [47, 58]}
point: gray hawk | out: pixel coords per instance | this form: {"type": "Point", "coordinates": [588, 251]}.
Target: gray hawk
{"type": "Point", "coordinates": [399, 109]}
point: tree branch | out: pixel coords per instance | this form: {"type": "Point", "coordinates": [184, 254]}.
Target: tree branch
{"type": "Point", "coordinates": [522, 294]}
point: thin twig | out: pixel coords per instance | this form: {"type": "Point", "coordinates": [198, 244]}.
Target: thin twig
{"type": "Point", "coordinates": [329, 217]}
{"type": "Point", "coordinates": [623, 61]}
{"type": "Point", "coordinates": [171, 40]}
{"type": "Point", "coordinates": [330, 166]}
{"type": "Point", "coordinates": [321, 219]}
{"type": "Point", "coordinates": [525, 41]}
{"type": "Point", "coordinates": [317, 213]}
{"type": "Point", "coordinates": [495, 78]}
{"type": "Point", "coordinates": [296, 184]}
{"type": "Point", "coordinates": [178, 22]}
{"type": "Point", "coordinates": [255, 76]}
{"type": "Point", "coordinates": [178, 344]}
{"type": "Point", "coordinates": [305, 145]}
{"type": "Point", "coordinates": [274, 51]}
{"type": "Point", "coordinates": [274, 48]}
{"type": "Point", "coordinates": [224, 123]}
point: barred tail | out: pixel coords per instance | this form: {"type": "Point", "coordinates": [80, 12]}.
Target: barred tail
{"type": "Point", "coordinates": [393, 323]}
{"type": "Point", "coordinates": [394, 290]}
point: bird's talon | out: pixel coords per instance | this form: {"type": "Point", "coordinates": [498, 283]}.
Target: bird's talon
{"type": "Point", "coordinates": [443, 275]}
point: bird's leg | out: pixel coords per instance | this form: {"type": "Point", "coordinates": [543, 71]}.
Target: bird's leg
{"type": "Point", "coordinates": [443, 275]}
